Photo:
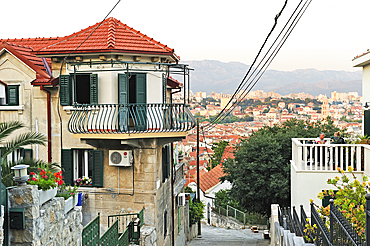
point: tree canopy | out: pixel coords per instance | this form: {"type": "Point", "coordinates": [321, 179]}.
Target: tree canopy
{"type": "Point", "coordinates": [218, 150]}
{"type": "Point", "coordinates": [260, 172]}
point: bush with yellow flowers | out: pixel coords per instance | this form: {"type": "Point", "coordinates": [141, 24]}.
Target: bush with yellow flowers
{"type": "Point", "coordinates": [349, 200]}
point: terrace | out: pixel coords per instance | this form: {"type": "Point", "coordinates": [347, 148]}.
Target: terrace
{"type": "Point", "coordinates": [313, 164]}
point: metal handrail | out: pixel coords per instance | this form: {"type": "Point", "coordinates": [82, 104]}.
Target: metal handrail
{"type": "Point", "coordinates": [130, 118]}
{"type": "Point", "coordinates": [322, 232]}
{"type": "Point", "coordinates": [296, 223]}
{"type": "Point", "coordinates": [344, 225]}
{"type": "Point", "coordinates": [304, 221]}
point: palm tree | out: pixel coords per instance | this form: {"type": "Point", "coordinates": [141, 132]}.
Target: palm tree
{"type": "Point", "coordinates": [10, 145]}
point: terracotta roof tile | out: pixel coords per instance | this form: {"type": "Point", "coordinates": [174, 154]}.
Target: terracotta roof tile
{"type": "Point", "coordinates": [111, 36]}
{"type": "Point", "coordinates": [23, 50]}
{"type": "Point", "coordinates": [211, 178]}
{"type": "Point", "coordinates": [228, 153]}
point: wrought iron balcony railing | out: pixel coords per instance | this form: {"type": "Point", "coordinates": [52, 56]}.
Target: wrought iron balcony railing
{"type": "Point", "coordinates": [130, 118]}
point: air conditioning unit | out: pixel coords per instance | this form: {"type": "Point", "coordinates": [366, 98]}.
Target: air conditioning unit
{"type": "Point", "coordinates": [121, 158]}
{"type": "Point", "coordinates": [181, 200]}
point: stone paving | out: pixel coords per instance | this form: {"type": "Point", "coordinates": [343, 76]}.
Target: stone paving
{"type": "Point", "coordinates": [216, 236]}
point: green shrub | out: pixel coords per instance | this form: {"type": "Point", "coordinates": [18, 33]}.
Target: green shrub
{"type": "Point", "coordinates": [196, 210]}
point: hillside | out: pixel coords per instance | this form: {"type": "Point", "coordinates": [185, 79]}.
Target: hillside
{"type": "Point", "coordinates": [210, 75]}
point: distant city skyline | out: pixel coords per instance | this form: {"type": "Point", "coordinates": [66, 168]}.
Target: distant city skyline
{"type": "Point", "coordinates": [327, 37]}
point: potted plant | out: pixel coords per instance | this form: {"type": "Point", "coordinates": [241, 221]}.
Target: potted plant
{"type": "Point", "coordinates": [69, 195]}
{"type": "Point", "coordinates": [85, 181]}
{"type": "Point", "coordinates": [46, 182]}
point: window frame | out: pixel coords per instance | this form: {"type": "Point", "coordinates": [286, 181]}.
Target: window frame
{"type": "Point", "coordinates": [166, 162]}
{"type": "Point", "coordinates": [94, 163]}
{"type": "Point", "coordinates": [67, 88]}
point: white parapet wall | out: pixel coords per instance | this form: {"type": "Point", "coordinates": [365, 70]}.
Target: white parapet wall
{"type": "Point", "coordinates": [310, 170]}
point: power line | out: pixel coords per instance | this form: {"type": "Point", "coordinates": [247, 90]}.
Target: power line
{"type": "Point", "coordinates": [225, 112]}
{"type": "Point", "coordinates": [259, 52]}
{"type": "Point", "coordinates": [256, 78]}
{"type": "Point", "coordinates": [61, 67]}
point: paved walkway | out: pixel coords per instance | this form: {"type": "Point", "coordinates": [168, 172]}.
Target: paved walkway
{"type": "Point", "coordinates": [216, 236]}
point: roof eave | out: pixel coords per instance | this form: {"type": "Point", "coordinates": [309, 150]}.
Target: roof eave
{"type": "Point", "coordinates": [361, 61]}
{"type": "Point", "coordinates": [105, 51]}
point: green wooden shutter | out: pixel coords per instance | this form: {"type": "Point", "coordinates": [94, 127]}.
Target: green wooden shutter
{"type": "Point", "coordinates": [65, 90]}
{"type": "Point", "coordinates": [97, 162]}
{"type": "Point", "coordinates": [164, 87]}
{"type": "Point", "coordinates": [140, 88]}
{"type": "Point", "coordinates": [13, 95]}
{"type": "Point", "coordinates": [141, 102]}
{"type": "Point", "coordinates": [123, 101]}
{"type": "Point", "coordinates": [164, 163]}
{"type": "Point", "coordinates": [366, 123]}
{"type": "Point", "coordinates": [168, 157]}
{"type": "Point", "coordinates": [122, 89]}
{"type": "Point", "coordinates": [27, 154]}
{"type": "Point", "coordinates": [93, 89]}
{"type": "Point", "coordinates": [67, 166]}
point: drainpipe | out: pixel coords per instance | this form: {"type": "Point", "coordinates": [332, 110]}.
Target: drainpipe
{"type": "Point", "coordinates": [48, 120]}
{"type": "Point", "coordinates": [173, 199]}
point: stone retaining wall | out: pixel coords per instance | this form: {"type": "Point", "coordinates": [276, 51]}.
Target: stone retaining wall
{"type": "Point", "coordinates": [46, 224]}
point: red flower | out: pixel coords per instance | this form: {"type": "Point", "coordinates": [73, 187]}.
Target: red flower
{"type": "Point", "coordinates": [32, 173]}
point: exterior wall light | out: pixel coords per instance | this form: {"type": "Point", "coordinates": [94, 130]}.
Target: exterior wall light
{"type": "Point", "coordinates": [20, 174]}
{"type": "Point", "coordinates": [366, 105]}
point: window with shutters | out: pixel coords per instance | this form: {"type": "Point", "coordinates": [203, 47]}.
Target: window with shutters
{"type": "Point", "coordinates": [78, 88]}
{"type": "Point", "coordinates": [83, 163]}
{"type": "Point", "coordinates": [12, 95]}
{"type": "Point", "coordinates": [19, 155]}
{"type": "Point", "coordinates": [166, 162]}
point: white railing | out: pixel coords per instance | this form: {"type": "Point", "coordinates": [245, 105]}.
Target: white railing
{"type": "Point", "coordinates": [328, 157]}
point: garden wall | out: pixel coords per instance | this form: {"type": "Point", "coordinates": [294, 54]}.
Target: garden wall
{"type": "Point", "coordinates": [45, 224]}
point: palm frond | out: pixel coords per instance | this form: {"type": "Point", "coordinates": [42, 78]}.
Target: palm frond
{"type": "Point", "coordinates": [23, 140]}
{"type": "Point", "coordinates": [7, 128]}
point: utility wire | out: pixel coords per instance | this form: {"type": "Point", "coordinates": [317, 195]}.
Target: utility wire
{"type": "Point", "coordinates": [243, 81]}
{"type": "Point", "coordinates": [270, 59]}
{"type": "Point", "coordinates": [266, 64]}
{"type": "Point", "coordinates": [61, 67]}
{"type": "Point", "coordinates": [251, 84]}
{"type": "Point", "coordinates": [259, 52]}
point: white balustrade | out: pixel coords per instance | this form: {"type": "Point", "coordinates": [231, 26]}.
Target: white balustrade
{"type": "Point", "coordinates": [308, 156]}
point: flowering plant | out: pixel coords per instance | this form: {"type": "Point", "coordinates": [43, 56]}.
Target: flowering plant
{"type": "Point", "coordinates": [350, 200]}
{"type": "Point", "coordinates": [45, 180]}
{"type": "Point", "coordinates": [66, 192]}
{"type": "Point", "coordinates": [83, 181]}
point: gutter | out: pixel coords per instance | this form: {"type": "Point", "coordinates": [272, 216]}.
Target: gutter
{"type": "Point", "coordinates": [48, 120]}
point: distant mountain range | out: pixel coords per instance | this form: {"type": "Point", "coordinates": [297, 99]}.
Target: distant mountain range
{"type": "Point", "coordinates": [211, 75]}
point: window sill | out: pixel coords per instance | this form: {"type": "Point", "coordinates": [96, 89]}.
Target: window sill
{"type": "Point", "coordinates": [12, 108]}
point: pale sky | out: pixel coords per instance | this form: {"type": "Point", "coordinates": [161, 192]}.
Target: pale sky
{"type": "Point", "coordinates": [328, 36]}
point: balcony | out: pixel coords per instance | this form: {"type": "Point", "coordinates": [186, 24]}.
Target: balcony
{"type": "Point", "coordinates": [313, 164]}
{"type": "Point", "coordinates": [179, 180]}
{"type": "Point", "coordinates": [152, 119]}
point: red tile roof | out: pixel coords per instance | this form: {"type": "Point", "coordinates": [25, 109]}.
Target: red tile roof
{"type": "Point", "coordinates": [173, 83]}
{"type": "Point", "coordinates": [111, 36]}
{"type": "Point", "coordinates": [21, 49]}
{"type": "Point", "coordinates": [210, 179]}
{"type": "Point", "coordinates": [201, 163]}
{"type": "Point", "coordinates": [228, 153]}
